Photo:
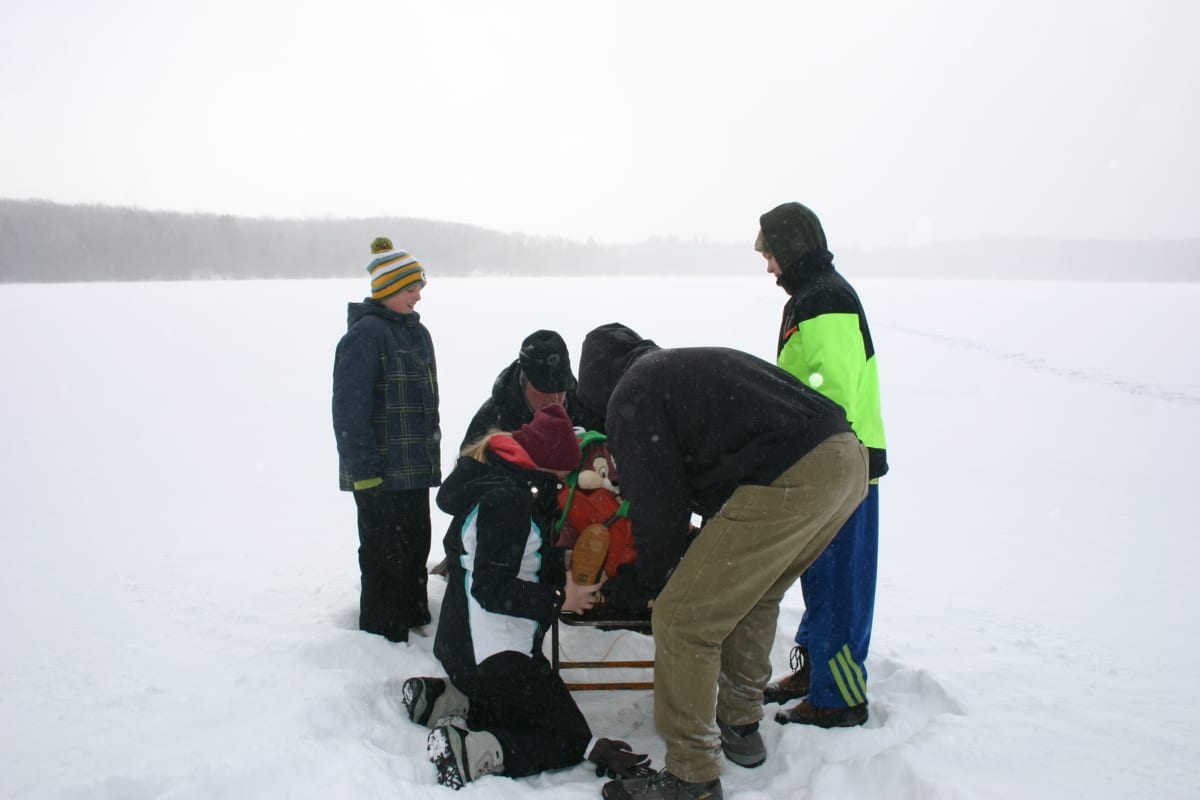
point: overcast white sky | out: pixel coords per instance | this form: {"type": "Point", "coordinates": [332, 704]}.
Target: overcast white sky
{"type": "Point", "coordinates": [898, 122]}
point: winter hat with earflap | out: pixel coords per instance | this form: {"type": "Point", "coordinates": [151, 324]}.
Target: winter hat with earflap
{"type": "Point", "coordinates": [392, 270]}
{"type": "Point", "coordinates": [546, 362]}
{"type": "Point", "coordinates": [549, 439]}
{"type": "Point", "coordinates": [789, 232]}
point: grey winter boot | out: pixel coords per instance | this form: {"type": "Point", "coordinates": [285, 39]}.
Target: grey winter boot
{"type": "Point", "coordinates": [462, 756]}
{"type": "Point", "coordinates": [429, 700]}
{"type": "Point", "coordinates": [743, 744]}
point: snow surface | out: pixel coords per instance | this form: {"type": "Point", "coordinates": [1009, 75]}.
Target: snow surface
{"type": "Point", "coordinates": [180, 584]}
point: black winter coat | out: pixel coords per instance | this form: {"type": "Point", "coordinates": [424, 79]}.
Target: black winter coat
{"type": "Point", "coordinates": [688, 426]}
{"type": "Point", "coordinates": [506, 409]}
{"type": "Point", "coordinates": [385, 400]}
{"type": "Point", "coordinates": [505, 582]}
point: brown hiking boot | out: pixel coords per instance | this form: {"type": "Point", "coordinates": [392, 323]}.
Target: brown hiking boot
{"type": "Point", "coordinates": [838, 717]}
{"type": "Point", "coordinates": [587, 559]}
{"type": "Point", "coordinates": [795, 685]}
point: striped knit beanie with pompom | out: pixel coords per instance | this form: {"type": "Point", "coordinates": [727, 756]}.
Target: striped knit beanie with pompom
{"type": "Point", "coordinates": [392, 270]}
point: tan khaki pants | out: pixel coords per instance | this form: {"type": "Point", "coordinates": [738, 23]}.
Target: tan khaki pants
{"type": "Point", "coordinates": [714, 622]}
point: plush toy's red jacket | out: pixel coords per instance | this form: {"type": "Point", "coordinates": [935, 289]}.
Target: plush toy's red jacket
{"type": "Point", "coordinates": [598, 505]}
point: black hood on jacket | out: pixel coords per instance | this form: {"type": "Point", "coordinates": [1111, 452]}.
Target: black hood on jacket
{"type": "Point", "coordinates": [607, 352]}
{"type": "Point", "coordinates": [793, 234]}
{"type": "Point", "coordinates": [796, 275]}
{"type": "Point", "coordinates": [506, 389]}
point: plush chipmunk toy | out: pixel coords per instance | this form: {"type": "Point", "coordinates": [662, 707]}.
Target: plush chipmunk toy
{"type": "Point", "coordinates": [594, 519]}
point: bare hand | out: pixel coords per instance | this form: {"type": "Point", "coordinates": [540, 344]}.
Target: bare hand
{"type": "Point", "coordinates": [579, 598]}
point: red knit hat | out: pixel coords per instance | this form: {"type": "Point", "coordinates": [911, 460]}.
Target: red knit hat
{"type": "Point", "coordinates": [550, 439]}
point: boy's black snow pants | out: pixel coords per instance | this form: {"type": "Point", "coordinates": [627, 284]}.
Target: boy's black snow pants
{"type": "Point", "coordinates": [393, 538]}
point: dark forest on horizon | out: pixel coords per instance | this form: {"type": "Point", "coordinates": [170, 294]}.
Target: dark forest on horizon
{"type": "Point", "coordinates": [45, 242]}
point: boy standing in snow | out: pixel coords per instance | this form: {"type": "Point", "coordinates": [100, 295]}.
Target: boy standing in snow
{"type": "Point", "coordinates": [825, 342]}
{"type": "Point", "coordinates": [385, 418]}
{"type": "Point", "coordinates": [504, 710]}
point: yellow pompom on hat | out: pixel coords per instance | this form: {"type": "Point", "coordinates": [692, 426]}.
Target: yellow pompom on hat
{"type": "Point", "coordinates": [392, 270]}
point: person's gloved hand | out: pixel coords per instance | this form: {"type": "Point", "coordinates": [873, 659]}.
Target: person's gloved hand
{"type": "Point", "coordinates": [616, 759]}
{"type": "Point", "coordinates": [623, 591]}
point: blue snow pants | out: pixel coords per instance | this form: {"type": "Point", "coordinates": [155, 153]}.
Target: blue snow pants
{"type": "Point", "coordinates": [839, 605]}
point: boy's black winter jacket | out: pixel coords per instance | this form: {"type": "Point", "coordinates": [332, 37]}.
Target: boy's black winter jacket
{"type": "Point", "coordinates": [385, 400]}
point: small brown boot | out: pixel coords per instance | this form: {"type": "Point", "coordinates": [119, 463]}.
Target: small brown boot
{"type": "Point", "coordinates": [587, 559]}
{"type": "Point", "coordinates": [795, 685]}
{"type": "Point", "coordinates": [840, 717]}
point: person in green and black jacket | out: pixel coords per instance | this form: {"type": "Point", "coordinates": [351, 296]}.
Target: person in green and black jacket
{"type": "Point", "coordinates": [825, 342]}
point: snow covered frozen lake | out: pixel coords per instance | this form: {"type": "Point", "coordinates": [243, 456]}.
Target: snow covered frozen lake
{"type": "Point", "coordinates": [180, 585]}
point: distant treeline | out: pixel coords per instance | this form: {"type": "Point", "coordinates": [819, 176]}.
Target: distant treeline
{"type": "Point", "coordinates": [44, 242]}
